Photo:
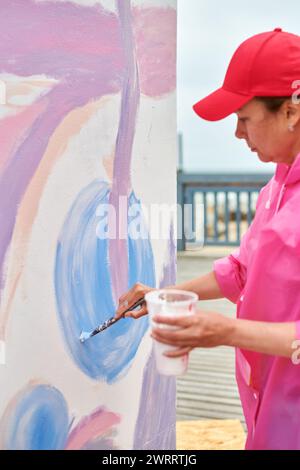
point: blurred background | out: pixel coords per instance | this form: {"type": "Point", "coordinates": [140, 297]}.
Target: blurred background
{"type": "Point", "coordinates": [209, 31]}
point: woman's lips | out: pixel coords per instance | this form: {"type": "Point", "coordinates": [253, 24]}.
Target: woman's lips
{"type": "Point", "coordinates": [253, 149]}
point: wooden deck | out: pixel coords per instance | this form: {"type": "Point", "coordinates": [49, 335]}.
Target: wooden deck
{"type": "Point", "coordinates": [208, 390]}
{"type": "Point", "coordinates": [215, 434]}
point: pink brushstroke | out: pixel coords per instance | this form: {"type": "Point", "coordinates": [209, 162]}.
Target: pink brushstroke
{"type": "Point", "coordinates": [92, 427]}
{"type": "Point", "coordinates": [155, 39]}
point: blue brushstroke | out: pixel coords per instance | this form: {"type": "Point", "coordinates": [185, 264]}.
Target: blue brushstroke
{"type": "Point", "coordinates": [83, 288]}
{"type": "Point", "coordinates": [39, 420]}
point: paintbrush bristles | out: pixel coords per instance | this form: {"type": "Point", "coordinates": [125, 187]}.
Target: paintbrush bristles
{"type": "Point", "coordinates": [84, 336]}
{"type": "Point", "coordinates": [88, 334]}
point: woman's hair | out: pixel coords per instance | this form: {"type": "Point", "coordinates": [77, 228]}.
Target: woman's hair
{"type": "Point", "coordinates": [273, 104]}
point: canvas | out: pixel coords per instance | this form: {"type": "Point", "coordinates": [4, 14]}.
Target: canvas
{"type": "Point", "coordinates": [87, 122]}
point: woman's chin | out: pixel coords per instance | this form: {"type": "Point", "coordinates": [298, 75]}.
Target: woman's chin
{"type": "Point", "coordinates": [263, 158]}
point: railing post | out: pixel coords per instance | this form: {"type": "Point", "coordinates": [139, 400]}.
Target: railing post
{"type": "Point", "coordinates": [226, 217]}
{"type": "Point", "coordinates": [249, 211]}
{"type": "Point", "coordinates": [205, 216]}
{"type": "Point", "coordinates": [189, 216]}
{"type": "Point", "coordinates": [180, 220]}
{"type": "Point", "coordinates": [216, 212]}
{"type": "Point", "coordinates": [238, 217]}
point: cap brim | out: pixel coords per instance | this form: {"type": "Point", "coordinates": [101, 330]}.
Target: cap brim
{"type": "Point", "coordinates": [220, 104]}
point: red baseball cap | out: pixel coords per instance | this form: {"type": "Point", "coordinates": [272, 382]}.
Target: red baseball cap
{"type": "Point", "coordinates": [267, 64]}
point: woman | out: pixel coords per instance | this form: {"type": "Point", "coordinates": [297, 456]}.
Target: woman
{"type": "Point", "coordinates": [263, 276]}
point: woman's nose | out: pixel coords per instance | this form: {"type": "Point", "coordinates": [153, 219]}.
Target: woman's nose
{"type": "Point", "coordinates": [240, 132]}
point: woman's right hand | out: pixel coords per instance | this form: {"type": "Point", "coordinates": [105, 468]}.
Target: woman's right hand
{"type": "Point", "coordinates": [129, 298]}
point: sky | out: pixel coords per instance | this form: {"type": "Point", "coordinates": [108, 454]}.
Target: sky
{"type": "Point", "coordinates": [209, 32]}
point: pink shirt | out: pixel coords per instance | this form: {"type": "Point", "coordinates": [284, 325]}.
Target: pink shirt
{"type": "Point", "coordinates": [263, 278]}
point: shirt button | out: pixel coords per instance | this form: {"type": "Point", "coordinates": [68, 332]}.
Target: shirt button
{"type": "Point", "coordinates": [255, 395]}
{"type": "Point", "coordinates": [241, 298]}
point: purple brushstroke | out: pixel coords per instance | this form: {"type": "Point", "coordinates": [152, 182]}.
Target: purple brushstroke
{"type": "Point", "coordinates": [118, 248]}
{"type": "Point", "coordinates": [156, 423]}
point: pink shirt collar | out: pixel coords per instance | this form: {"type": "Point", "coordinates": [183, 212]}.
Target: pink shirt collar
{"type": "Point", "coordinates": [288, 174]}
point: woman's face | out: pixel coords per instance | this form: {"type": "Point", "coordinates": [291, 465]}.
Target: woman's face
{"type": "Point", "coordinates": [267, 133]}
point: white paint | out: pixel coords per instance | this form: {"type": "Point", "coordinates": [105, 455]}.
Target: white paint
{"type": "Point", "coordinates": [110, 5]}
{"type": "Point", "coordinates": [2, 353]}
{"type": "Point", "coordinates": [154, 3]}
{"type": "Point", "coordinates": [154, 160]}
{"type": "Point", "coordinates": [85, 3]}
{"type": "Point", "coordinates": [13, 102]}
{"type": "Point", "coordinates": [2, 92]}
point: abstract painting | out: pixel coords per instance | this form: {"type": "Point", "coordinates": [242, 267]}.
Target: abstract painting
{"type": "Point", "coordinates": [87, 120]}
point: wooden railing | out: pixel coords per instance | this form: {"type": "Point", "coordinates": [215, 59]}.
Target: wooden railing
{"type": "Point", "coordinates": [216, 209]}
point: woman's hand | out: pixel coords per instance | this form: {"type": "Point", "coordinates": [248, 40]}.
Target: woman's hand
{"type": "Point", "coordinates": [129, 298]}
{"type": "Point", "coordinates": [203, 329]}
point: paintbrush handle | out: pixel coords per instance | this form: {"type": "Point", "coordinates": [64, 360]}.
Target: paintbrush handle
{"type": "Point", "coordinates": [105, 325]}
{"type": "Point", "coordinates": [114, 320]}
{"type": "Point", "coordinates": [137, 304]}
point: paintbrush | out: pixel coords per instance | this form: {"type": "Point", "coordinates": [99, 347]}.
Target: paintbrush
{"type": "Point", "coordinates": [88, 334]}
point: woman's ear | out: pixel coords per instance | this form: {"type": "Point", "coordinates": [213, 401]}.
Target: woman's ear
{"type": "Point", "coordinates": [292, 112]}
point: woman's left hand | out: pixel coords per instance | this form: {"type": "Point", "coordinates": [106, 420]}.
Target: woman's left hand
{"type": "Point", "coordinates": [203, 329]}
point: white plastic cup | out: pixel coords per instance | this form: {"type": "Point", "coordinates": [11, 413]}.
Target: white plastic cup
{"type": "Point", "coordinates": [170, 303]}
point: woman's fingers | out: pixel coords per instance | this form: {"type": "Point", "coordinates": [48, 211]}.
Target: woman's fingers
{"type": "Point", "coordinates": [178, 352]}
{"type": "Point", "coordinates": [125, 303]}
{"type": "Point", "coordinates": [174, 338]}
{"type": "Point", "coordinates": [128, 299]}
{"type": "Point", "coordinates": [182, 322]}
{"type": "Point", "coordinates": [137, 313]}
